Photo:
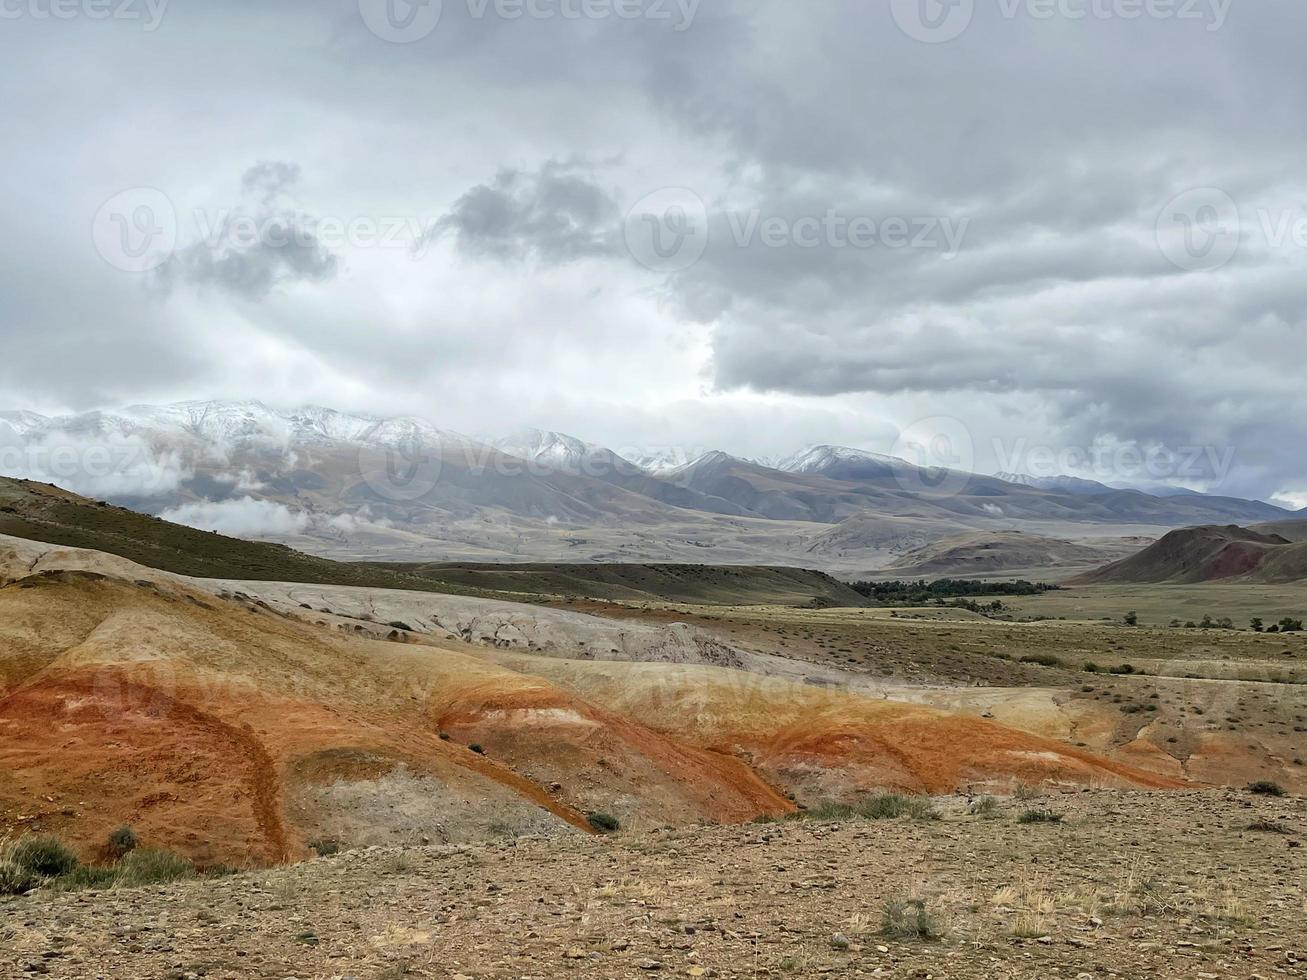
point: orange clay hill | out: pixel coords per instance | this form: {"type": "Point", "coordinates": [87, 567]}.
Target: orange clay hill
{"type": "Point", "coordinates": [237, 734]}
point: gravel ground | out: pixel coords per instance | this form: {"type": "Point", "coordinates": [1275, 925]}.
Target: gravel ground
{"type": "Point", "coordinates": [1126, 885]}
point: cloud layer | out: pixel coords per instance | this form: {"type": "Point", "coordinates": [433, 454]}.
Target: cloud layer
{"type": "Point", "coordinates": [999, 229]}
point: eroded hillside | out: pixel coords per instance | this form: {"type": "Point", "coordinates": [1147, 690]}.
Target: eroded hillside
{"type": "Point", "coordinates": [238, 732]}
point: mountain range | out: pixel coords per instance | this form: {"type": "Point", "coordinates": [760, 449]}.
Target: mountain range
{"type": "Point", "coordinates": [357, 486]}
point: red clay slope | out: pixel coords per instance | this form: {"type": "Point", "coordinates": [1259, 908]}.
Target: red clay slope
{"type": "Point", "coordinates": [1207, 554]}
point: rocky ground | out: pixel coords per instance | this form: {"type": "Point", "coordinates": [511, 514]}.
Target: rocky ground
{"type": "Point", "coordinates": [1126, 885]}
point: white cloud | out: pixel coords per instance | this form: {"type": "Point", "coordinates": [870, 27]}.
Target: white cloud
{"type": "Point", "coordinates": [96, 465]}
{"type": "Point", "coordinates": [242, 518]}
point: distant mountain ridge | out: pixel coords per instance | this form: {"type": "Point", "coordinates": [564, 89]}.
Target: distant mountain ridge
{"type": "Point", "coordinates": [357, 486]}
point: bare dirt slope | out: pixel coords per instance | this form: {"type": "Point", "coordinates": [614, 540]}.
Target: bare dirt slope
{"type": "Point", "coordinates": [986, 552]}
{"type": "Point", "coordinates": [1128, 885]}
{"type": "Point", "coordinates": [1210, 554]}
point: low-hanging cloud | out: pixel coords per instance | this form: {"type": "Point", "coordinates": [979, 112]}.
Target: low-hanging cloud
{"type": "Point", "coordinates": [100, 465]}
{"type": "Point", "coordinates": [241, 518]}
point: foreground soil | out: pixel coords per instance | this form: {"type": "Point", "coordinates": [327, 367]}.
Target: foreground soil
{"type": "Point", "coordinates": [1128, 885]}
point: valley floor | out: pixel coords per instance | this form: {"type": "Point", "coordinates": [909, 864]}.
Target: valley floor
{"type": "Point", "coordinates": [1128, 885]}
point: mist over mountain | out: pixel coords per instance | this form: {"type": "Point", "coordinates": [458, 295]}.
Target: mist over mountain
{"type": "Point", "coordinates": [365, 486]}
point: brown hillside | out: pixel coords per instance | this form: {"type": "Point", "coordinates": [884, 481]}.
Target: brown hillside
{"type": "Point", "coordinates": [1209, 554]}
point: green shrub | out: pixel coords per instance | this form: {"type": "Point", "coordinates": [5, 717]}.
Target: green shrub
{"type": "Point", "coordinates": [15, 880]}
{"type": "Point", "coordinates": [1264, 787]}
{"type": "Point", "coordinates": [1042, 659]}
{"type": "Point", "coordinates": [87, 877]}
{"type": "Point", "coordinates": [1040, 816]}
{"type": "Point", "coordinates": [152, 866]}
{"type": "Point", "coordinates": [122, 841]}
{"type": "Point", "coordinates": [880, 806]}
{"type": "Point", "coordinates": [908, 918]}
{"type": "Point", "coordinates": [986, 807]}
{"type": "Point", "coordinates": [45, 856]}
{"type": "Point", "coordinates": [605, 823]}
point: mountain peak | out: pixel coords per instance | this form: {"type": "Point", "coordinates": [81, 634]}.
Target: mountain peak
{"type": "Point", "coordinates": [827, 460]}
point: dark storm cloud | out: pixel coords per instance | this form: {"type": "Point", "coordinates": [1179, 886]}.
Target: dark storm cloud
{"type": "Point", "coordinates": [248, 253]}
{"type": "Point", "coordinates": [556, 214]}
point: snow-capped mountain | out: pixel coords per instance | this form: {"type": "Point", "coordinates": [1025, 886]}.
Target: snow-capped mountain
{"type": "Point", "coordinates": [225, 425]}
{"type": "Point", "coordinates": [662, 460]}
{"type": "Point", "coordinates": [1060, 484]}
{"type": "Point", "coordinates": [556, 450]}
{"type": "Point", "coordinates": [827, 460]}
{"type": "Point", "coordinates": [395, 482]}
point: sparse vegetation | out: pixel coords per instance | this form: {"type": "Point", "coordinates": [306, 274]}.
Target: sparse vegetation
{"type": "Point", "coordinates": [921, 592]}
{"type": "Point", "coordinates": [1267, 827]}
{"type": "Point", "coordinates": [881, 806]}
{"type": "Point", "coordinates": [15, 880]}
{"type": "Point", "coordinates": [605, 823]}
{"type": "Point", "coordinates": [33, 862]}
{"type": "Point", "coordinates": [1264, 787]}
{"type": "Point", "coordinates": [1040, 816]}
{"type": "Point", "coordinates": [44, 856]}
{"type": "Point", "coordinates": [908, 918]}
{"type": "Point", "coordinates": [986, 807]}
{"type": "Point", "coordinates": [1042, 659]}
{"type": "Point", "coordinates": [121, 841]}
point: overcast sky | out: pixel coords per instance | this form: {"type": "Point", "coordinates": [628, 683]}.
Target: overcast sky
{"type": "Point", "coordinates": [1047, 225]}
